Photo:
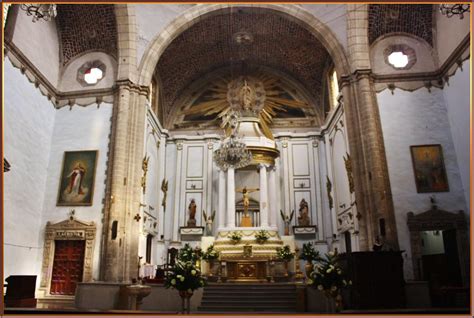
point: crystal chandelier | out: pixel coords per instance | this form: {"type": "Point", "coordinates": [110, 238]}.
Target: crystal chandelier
{"type": "Point", "coordinates": [233, 153]}
{"type": "Point", "coordinates": [40, 11]}
{"type": "Point", "coordinates": [454, 9]}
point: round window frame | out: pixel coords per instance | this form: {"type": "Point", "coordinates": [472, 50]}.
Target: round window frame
{"type": "Point", "coordinates": [81, 72]}
{"type": "Point", "coordinates": [405, 50]}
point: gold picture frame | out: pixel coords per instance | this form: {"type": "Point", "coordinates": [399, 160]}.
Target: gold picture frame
{"type": "Point", "coordinates": [76, 183]}
{"type": "Point", "coordinates": [429, 168]}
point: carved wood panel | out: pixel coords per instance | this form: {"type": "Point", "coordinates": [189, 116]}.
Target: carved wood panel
{"type": "Point", "coordinates": [67, 266]}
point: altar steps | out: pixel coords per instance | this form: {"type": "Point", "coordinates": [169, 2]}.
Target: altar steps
{"type": "Point", "coordinates": [249, 297]}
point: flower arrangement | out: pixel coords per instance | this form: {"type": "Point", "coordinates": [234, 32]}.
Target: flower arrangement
{"type": "Point", "coordinates": [284, 253]}
{"type": "Point", "coordinates": [262, 236]}
{"type": "Point", "coordinates": [210, 254]}
{"type": "Point", "coordinates": [328, 276]}
{"type": "Point", "coordinates": [184, 276]}
{"type": "Point", "coordinates": [235, 237]}
{"type": "Point", "coordinates": [188, 254]}
{"type": "Point", "coordinates": [309, 254]}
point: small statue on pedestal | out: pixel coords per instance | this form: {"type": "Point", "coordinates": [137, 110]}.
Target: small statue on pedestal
{"type": "Point", "coordinates": [303, 219]}
{"type": "Point", "coordinates": [209, 220]}
{"type": "Point", "coordinates": [246, 220]}
{"type": "Point", "coordinates": [287, 220]}
{"type": "Point", "coordinates": [192, 213]}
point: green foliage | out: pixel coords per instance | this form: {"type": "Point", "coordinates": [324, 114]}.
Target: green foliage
{"type": "Point", "coordinates": [185, 276]}
{"type": "Point", "coordinates": [210, 254]}
{"type": "Point", "coordinates": [262, 236]}
{"type": "Point", "coordinates": [284, 253]}
{"type": "Point", "coordinates": [188, 254]}
{"type": "Point", "coordinates": [328, 276]}
{"type": "Point", "coordinates": [309, 253]}
{"type": "Point", "coordinates": [235, 237]}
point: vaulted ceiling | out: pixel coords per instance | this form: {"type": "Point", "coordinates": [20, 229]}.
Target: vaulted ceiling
{"type": "Point", "coordinates": [416, 19]}
{"type": "Point", "coordinates": [86, 27]}
{"type": "Point", "coordinates": [241, 36]}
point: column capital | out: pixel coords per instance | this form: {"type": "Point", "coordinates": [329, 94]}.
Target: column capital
{"type": "Point", "coordinates": [263, 165]}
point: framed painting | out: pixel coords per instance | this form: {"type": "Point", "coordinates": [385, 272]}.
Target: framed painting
{"type": "Point", "coordinates": [76, 186]}
{"type": "Point", "coordinates": [429, 169]}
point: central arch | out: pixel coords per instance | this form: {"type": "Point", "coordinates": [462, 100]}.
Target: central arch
{"type": "Point", "coordinates": [293, 12]}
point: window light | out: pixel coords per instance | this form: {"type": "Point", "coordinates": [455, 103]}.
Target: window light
{"type": "Point", "coordinates": [398, 59]}
{"type": "Point", "coordinates": [93, 75]}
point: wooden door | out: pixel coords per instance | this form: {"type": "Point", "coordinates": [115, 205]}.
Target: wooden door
{"type": "Point", "coordinates": [67, 267]}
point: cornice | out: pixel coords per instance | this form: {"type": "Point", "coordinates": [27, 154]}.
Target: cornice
{"type": "Point", "coordinates": [414, 81]}
{"type": "Point", "coordinates": [60, 99]}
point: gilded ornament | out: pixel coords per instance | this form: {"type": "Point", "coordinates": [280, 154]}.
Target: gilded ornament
{"type": "Point", "coordinates": [145, 170]}
{"type": "Point", "coordinates": [350, 178]}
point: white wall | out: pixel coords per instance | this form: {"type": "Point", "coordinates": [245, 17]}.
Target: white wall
{"type": "Point", "coordinates": [29, 122]}
{"type": "Point", "coordinates": [334, 16]}
{"type": "Point", "coordinates": [81, 128]}
{"type": "Point", "coordinates": [417, 118]}
{"type": "Point", "coordinates": [449, 33]}
{"type": "Point", "coordinates": [456, 94]}
{"type": "Point", "coordinates": [39, 43]}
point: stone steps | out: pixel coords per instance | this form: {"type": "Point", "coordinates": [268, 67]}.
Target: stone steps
{"type": "Point", "coordinates": [249, 297]}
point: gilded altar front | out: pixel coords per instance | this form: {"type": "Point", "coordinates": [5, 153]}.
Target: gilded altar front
{"type": "Point", "coordinates": [247, 270]}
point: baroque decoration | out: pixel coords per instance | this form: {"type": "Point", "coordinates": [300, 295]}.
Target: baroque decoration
{"type": "Point", "coordinates": [259, 95]}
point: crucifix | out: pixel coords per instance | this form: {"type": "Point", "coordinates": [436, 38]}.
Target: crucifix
{"type": "Point", "coordinates": [246, 221]}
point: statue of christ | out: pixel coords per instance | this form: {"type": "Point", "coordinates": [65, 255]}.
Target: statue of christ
{"type": "Point", "coordinates": [245, 194]}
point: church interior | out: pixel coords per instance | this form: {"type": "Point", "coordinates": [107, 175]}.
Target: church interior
{"type": "Point", "coordinates": [228, 158]}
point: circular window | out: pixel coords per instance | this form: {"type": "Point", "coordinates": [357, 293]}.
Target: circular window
{"type": "Point", "coordinates": [91, 73]}
{"type": "Point", "coordinates": [400, 57]}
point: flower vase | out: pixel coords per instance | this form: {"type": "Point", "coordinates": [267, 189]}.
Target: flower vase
{"type": "Point", "coordinates": [308, 268]}
{"type": "Point", "coordinates": [185, 301]}
{"type": "Point", "coordinates": [338, 301]}
{"type": "Point", "coordinates": [334, 301]}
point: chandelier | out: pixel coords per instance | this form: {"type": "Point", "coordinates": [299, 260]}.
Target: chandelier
{"type": "Point", "coordinates": [233, 153]}
{"type": "Point", "coordinates": [40, 11]}
{"type": "Point", "coordinates": [454, 9]}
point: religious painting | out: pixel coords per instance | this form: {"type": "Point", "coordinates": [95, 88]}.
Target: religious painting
{"type": "Point", "coordinates": [76, 186]}
{"type": "Point", "coordinates": [429, 169]}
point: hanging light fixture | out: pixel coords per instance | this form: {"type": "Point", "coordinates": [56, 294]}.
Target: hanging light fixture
{"type": "Point", "coordinates": [454, 9]}
{"type": "Point", "coordinates": [233, 153]}
{"type": "Point", "coordinates": [40, 11]}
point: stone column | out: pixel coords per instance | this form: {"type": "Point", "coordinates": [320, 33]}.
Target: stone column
{"type": "Point", "coordinates": [263, 195]}
{"type": "Point", "coordinates": [222, 201]}
{"type": "Point", "coordinates": [119, 255]}
{"type": "Point", "coordinates": [230, 198]}
{"type": "Point", "coordinates": [272, 196]}
{"type": "Point", "coordinates": [372, 185]}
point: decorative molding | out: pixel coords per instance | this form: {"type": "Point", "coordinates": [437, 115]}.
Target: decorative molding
{"type": "Point", "coordinates": [329, 189]}
{"type": "Point", "coordinates": [348, 165]}
{"type": "Point", "coordinates": [70, 229]}
{"type": "Point", "coordinates": [305, 230]}
{"type": "Point", "coordinates": [58, 99]}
